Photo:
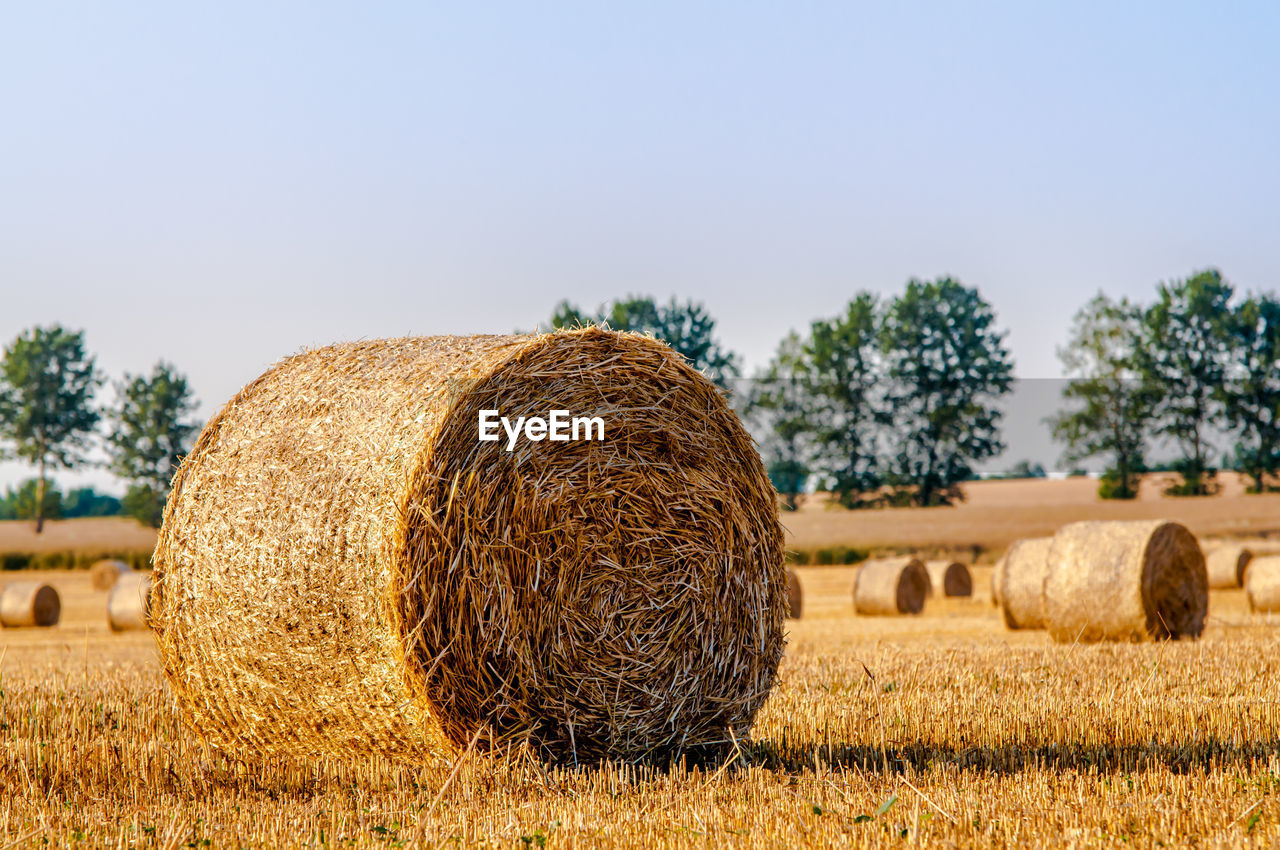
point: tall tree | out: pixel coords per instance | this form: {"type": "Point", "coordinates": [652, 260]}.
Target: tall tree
{"type": "Point", "coordinates": [1251, 393]}
{"type": "Point", "coordinates": [47, 385]}
{"type": "Point", "coordinates": [946, 366]}
{"type": "Point", "coordinates": [841, 368]}
{"type": "Point", "coordinates": [781, 404]}
{"type": "Point", "coordinates": [1109, 406]}
{"type": "Point", "coordinates": [151, 431]}
{"type": "Point", "coordinates": [1183, 356]}
{"type": "Point", "coordinates": [687, 327]}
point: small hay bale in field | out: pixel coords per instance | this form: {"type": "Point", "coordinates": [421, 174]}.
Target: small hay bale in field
{"type": "Point", "coordinates": [1019, 582]}
{"type": "Point", "coordinates": [1262, 585]}
{"type": "Point", "coordinates": [795, 596]}
{"type": "Point", "coordinates": [104, 574]}
{"type": "Point", "coordinates": [29, 603]}
{"type": "Point", "coordinates": [891, 586]}
{"type": "Point", "coordinates": [1125, 581]}
{"type": "Point", "coordinates": [949, 578]}
{"type": "Point", "coordinates": [1227, 562]}
{"type": "Point", "coordinates": [346, 568]}
{"type": "Point", "coordinates": [129, 604]}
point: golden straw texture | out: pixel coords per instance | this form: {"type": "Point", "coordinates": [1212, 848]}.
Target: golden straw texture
{"type": "Point", "coordinates": [795, 596]}
{"type": "Point", "coordinates": [891, 586]}
{"type": "Point", "coordinates": [949, 578]}
{"type": "Point", "coordinates": [104, 574]}
{"type": "Point", "coordinates": [1125, 581]}
{"type": "Point", "coordinates": [29, 603]}
{"type": "Point", "coordinates": [345, 568]}
{"type": "Point", "coordinates": [1019, 582]}
{"type": "Point", "coordinates": [128, 604]}
{"type": "Point", "coordinates": [1262, 585]}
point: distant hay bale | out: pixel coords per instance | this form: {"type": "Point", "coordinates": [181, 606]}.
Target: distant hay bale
{"type": "Point", "coordinates": [1018, 582]}
{"type": "Point", "coordinates": [29, 603]}
{"type": "Point", "coordinates": [1125, 581]}
{"type": "Point", "coordinates": [129, 604]}
{"type": "Point", "coordinates": [1262, 585]}
{"type": "Point", "coordinates": [891, 586]}
{"type": "Point", "coordinates": [1228, 561]}
{"type": "Point", "coordinates": [104, 574]}
{"type": "Point", "coordinates": [949, 578]}
{"type": "Point", "coordinates": [346, 568]}
{"type": "Point", "coordinates": [795, 596]}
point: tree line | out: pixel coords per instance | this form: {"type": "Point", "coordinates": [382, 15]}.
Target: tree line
{"type": "Point", "coordinates": [893, 401]}
{"type": "Point", "coordinates": [50, 418]}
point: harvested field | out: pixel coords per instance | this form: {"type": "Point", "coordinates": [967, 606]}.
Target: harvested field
{"type": "Point", "coordinates": [968, 735]}
{"type": "Point", "coordinates": [995, 513]}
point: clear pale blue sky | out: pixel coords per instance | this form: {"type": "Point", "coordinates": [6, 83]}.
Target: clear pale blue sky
{"type": "Point", "coordinates": [223, 184]}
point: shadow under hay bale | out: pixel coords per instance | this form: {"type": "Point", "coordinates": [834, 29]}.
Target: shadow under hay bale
{"type": "Point", "coordinates": [1139, 580]}
{"type": "Point", "coordinates": [949, 578]}
{"type": "Point", "coordinates": [1262, 584]}
{"type": "Point", "coordinates": [103, 575]}
{"type": "Point", "coordinates": [29, 603]}
{"type": "Point", "coordinates": [345, 568]}
{"type": "Point", "coordinates": [891, 586]}
{"type": "Point", "coordinates": [1019, 582]}
{"type": "Point", "coordinates": [129, 604]}
{"type": "Point", "coordinates": [795, 596]}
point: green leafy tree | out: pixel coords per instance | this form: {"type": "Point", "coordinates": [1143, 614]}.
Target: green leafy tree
{"type": "Point", "coordinates": [87, 502]}
{"type": "Point", "coordinates": [841, 370]}
{"type": "Point", "coordinates": [1110, 407]}
{"type": "Point", "coordinates": [151, 431]}
{"type": "Point", "coordinates": [946, 365]}
{"type": "Point", "coordinates": [1183, 356]}
{"type": "Point", "coordinates": [47, 385]}
{"type": "Point", "coordinates": [686, 327]}
{"type": "Point", "coordinates": [780, 401]}
{"type": "Point", "coordinates": [1251, 393]}
{"type": "Point", "coordinates": [20, 503]}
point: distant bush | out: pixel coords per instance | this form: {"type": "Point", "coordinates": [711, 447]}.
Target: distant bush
{"type": "Point", "coordinates": [138, 559]}
{"type": "Point", "coordinates": [20, 502]}
{"type": "Point", "coordinates": [828, 556]}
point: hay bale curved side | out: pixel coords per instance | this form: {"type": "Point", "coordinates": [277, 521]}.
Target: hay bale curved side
{"type": "Point", "coordinates": [344, 566]}
{"type": "Point", "coordinates": [104, 574]}
{"type": "Point", "coordinates": [891, 586]}
{"type": "Point", "coordinates": [949, 578]}
{"type": "Point", "coordinates": [795, 595]}
{"type": "Point", "coordinates": [1018, 582]}
{"type": "Point", "coordinates": [129, 603]}
{"type": "Point", "coordinates": [1262, 585]}
{"type": "Point", "coordinates": [29, 603]}
{"type": "Point", "coordinates": [1139, 580]}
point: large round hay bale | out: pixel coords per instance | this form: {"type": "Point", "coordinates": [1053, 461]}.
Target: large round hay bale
{"type": "Point", "coordinates": [1018, 582]}
{"type": "Point", "coordinates": [1227, 561]}
{"type": "Point", "coordinates": [103, 575]}
{"type": "Point", "coordinates": [346, 567]}
{"type": "Point", "coordinates": [129, 604]}
{"type": "Point", "coordinates": [795, 595]}
{"type": "Point", "coordinates": [1262, 585]}
{"type": "Point", "coordinates": [1125, 581]}
{"type": "Point", "coordinates": [29, 603]}
{"type": "Point", "coordinates": [949, 578]}
{"type": "Point", "coordinates": [891, 586]}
